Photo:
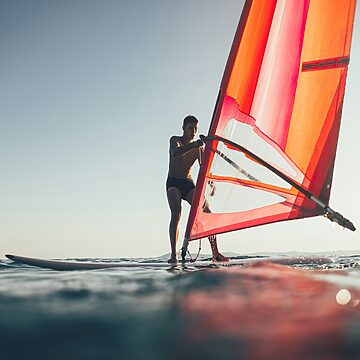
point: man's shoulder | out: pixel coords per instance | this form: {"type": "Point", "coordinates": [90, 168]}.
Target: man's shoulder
{"type": "Point", "coordinates": [175, 139]}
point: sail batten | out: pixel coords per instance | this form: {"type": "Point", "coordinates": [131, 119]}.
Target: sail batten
{"type": "Point", "coordinates": [281, 97]}
{"type": "Point", "coordinates": [326, 63]}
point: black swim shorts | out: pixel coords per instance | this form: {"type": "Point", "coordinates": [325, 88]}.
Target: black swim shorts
{"type": "Point", "coordinates": [183, 185]}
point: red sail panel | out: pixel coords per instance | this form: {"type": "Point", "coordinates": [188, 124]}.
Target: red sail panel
{"type": "Point", "coordinates": [281, 97]}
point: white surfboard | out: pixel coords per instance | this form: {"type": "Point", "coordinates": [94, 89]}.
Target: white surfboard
{"type": "Point", "coordinates": [73, 265]}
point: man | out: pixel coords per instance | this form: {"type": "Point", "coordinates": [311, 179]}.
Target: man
{"type": "Point", "coordinates": [184, 151]}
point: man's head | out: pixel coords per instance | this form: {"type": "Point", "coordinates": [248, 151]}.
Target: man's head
{"type": "Point", "coordinates": [190, 127]}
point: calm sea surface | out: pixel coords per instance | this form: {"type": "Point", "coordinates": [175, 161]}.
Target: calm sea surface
{"type": "Point", "coordinates": [259, 311]}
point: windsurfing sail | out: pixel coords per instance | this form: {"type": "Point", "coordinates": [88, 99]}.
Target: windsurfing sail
{"type": "Point", "coordinates": [271, 145]}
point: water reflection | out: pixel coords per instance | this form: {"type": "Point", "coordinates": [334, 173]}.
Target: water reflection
{"type": "Point", "coordinates": [269, 311]}
{"type": "Point", "coordinates": [343, 297]}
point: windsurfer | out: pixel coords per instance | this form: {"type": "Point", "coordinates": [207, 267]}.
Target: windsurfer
{"type": "Point", "coordinates": [184, 151]}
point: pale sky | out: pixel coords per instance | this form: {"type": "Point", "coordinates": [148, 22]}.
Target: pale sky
{"type": "Point", "coordinates": [91, 92]}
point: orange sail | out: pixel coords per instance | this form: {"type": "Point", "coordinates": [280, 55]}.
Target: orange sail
{"type": "Point", "coordinates": [281, 98]}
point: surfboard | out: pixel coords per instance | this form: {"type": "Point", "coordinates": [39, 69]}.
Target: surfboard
{"type": "Point", "coordinates": [79, 265]}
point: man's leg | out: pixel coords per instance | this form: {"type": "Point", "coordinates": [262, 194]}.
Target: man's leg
{"type": "Point", "coordinates": [174, 200]}
{"type": "Point", "coordinates": [216, 255]}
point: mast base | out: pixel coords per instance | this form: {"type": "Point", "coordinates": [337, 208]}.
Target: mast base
{"type": "Point", "coordinates": [184, 249]}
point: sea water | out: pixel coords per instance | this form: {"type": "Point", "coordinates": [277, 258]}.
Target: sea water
{"type": "Point", "coordinates": [258, 311]}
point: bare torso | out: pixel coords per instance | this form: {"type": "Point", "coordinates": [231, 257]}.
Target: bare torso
{"type": "Point", "coordinates": [180, 166]}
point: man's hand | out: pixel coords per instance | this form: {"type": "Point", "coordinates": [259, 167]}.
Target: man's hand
{"type": "Point", "coordinates": [198, 143]}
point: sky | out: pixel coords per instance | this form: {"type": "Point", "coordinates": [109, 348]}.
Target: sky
{"type": "Point", "coordinates": [90, 93]}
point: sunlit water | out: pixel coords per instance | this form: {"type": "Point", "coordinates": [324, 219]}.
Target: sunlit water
{"type": "Point", "coordinates": [258, 311]}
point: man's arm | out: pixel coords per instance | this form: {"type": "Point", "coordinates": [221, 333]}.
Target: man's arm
{"type": "Point", "coordinates": [177, 149]}
{"type": "Point", "coordinates": [201, 153]}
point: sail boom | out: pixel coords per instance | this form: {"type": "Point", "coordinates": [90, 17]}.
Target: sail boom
{"type": "Point", "coordinates": [262, 162]}
{"type": "Point", "coordinates": [331, 214]}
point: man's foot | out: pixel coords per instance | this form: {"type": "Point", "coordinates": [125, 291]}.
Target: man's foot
{"type": "Point", "coordinates": [173, 259]}
{"type": "Point", "coordinates": [216, 256]}
{"type": "Point", "coordinates": [220, 258]}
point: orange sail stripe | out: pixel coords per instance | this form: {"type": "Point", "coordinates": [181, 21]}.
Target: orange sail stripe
{"type": "Point", "coordinates": [256, 185]}
{"type": "Point", "coordinates": [245, 72]}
